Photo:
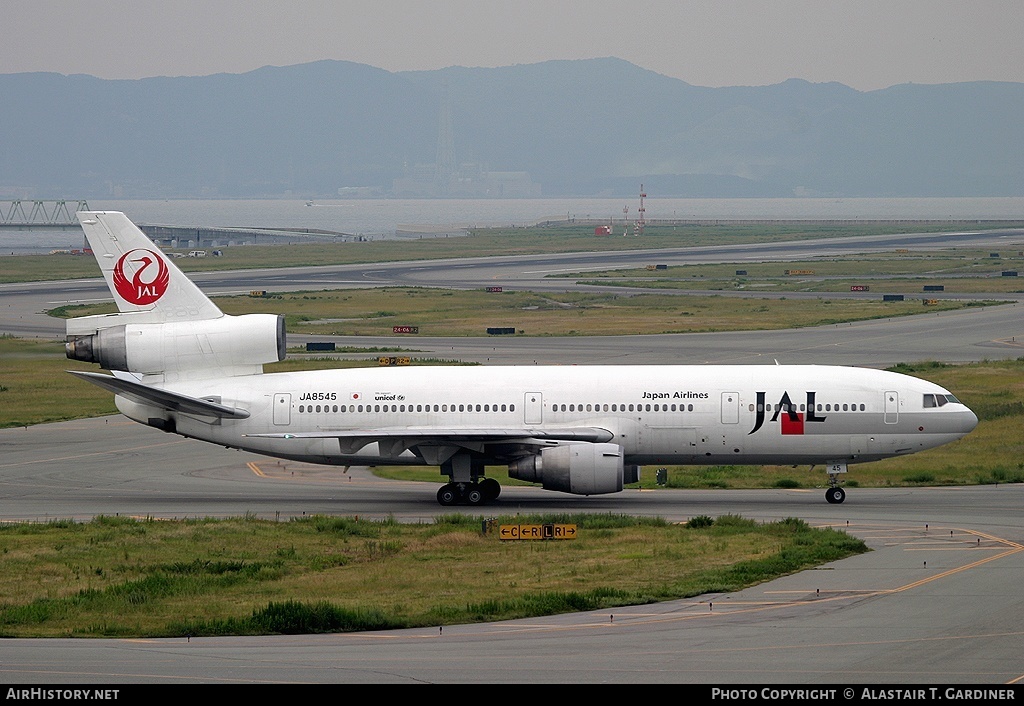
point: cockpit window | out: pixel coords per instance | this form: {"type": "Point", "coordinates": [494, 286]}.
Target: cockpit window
{"type": "Point", "coordinates": [939, 400]}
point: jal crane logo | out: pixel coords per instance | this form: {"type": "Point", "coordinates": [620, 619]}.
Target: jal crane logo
{"type": "Point", "coordinates": [146, 279]}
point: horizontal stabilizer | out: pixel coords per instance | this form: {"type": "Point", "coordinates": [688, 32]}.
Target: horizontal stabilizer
{"type": "Point", "coordinates": [165, 399]}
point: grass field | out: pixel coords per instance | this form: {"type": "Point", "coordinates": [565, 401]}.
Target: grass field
{"type": "Point", "coordinates": [120, 577]}
{"type": "Point", "coordinates": [956, 270]}
{"type": "Point", "coordinates": [437, 312]}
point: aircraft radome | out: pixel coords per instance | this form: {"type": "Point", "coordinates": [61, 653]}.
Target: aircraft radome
{"type": "Point", "coordinates": [181, 365]}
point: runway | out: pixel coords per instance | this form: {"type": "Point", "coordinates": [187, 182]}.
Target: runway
{"type": "Point", "coordinates": [937, 601]}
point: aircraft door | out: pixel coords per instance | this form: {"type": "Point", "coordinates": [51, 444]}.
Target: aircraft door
{"type": "Point", "coordinates": [892, 407]}
{"type": "Point", "coordinates": [533, 408]}
{"type": "Point", "coordinates": [282, 408]}
{"type": "Point", "coordinates": [730, 408]}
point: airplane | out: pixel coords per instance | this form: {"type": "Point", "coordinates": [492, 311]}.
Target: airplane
{"type": "Point", "coordinates": [179, 364]}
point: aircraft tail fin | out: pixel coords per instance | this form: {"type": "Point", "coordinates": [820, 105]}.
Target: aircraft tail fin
{"type": "Point", "coordinates": [166, 326]}
{"type": "Point", "coordinates": [139, 275]}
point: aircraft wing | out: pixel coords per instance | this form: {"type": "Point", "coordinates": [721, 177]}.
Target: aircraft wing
{"type": "Point", "coordinates": [161, 398]}
{"type": "Point", "coordinates": [591, 434]}
{"type": "Point", "coordinates": [438, 444]}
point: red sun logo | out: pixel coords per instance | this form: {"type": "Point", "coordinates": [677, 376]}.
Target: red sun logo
{"type": "Point", "coordinates": [146, 279]}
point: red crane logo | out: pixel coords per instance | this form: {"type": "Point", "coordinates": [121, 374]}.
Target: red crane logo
{"type": "Point", "coordinates": [148, 279]}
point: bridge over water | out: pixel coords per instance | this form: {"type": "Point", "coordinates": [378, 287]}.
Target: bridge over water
{"type": "Point", "coordinates": [38, 213]}
{"type": "Point", "coordinates": [24, 214]}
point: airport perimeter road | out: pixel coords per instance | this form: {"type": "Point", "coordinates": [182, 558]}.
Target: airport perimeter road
{"type": "Point", "coordinates": [937, 601]}
{"type": "Point", "coordinates": [23, 305]}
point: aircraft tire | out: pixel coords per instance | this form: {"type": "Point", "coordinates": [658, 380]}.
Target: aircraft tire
{"type": "Point", "coordinates": [474, 495]}
{"type": "Point", "coordinates": [491, 489]}
{"type": "Point", "coordinates": [835, 495]}
{"type": "Point", "coordinates": [448, 494]}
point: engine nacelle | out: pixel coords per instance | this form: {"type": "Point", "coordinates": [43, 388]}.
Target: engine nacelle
{"type": "Point", "coordinates": [149, 348]}
{"type": "Point", "coordinates": [580, 468]}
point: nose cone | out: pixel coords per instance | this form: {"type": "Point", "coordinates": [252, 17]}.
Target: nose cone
{"type": "Point", "coordinates": [969, 420]}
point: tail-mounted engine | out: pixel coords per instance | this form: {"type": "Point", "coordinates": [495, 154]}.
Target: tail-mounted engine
{"type": "Point", "coordinates": [579, 468]}
{"type": "Point", "coordinates": [150, 348]}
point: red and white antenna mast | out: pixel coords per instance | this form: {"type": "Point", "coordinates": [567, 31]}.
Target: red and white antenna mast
{"type": "Point", "coordinates": [640, 222]}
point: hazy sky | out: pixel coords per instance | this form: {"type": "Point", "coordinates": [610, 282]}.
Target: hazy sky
{"type": "Point", "coordinates": [866, 44]}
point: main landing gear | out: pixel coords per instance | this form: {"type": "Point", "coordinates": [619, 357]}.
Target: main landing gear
{"type": "Point", "coordinates": [467, 485]}
{"type": "Point", "coordinates": [473, 493]}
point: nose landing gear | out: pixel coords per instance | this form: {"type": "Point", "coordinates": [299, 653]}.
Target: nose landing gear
{"type": "Point", "coordinates": [835, 495]}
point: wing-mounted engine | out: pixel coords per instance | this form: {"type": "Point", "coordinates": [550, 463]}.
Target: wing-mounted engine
{"type": "Point", "coordinates": [228, 344]}
{"type": "Point", "coordinates": [578, 468]}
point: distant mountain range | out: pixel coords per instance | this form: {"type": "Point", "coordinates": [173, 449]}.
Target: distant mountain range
{"type": "Point", "coordinates": [597, 127]}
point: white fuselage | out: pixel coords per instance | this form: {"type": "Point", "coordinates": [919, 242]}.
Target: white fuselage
{"type": "Point", "coordinates": [180, 364]}
{"type": "Point", "coordinates": [657, 414]}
